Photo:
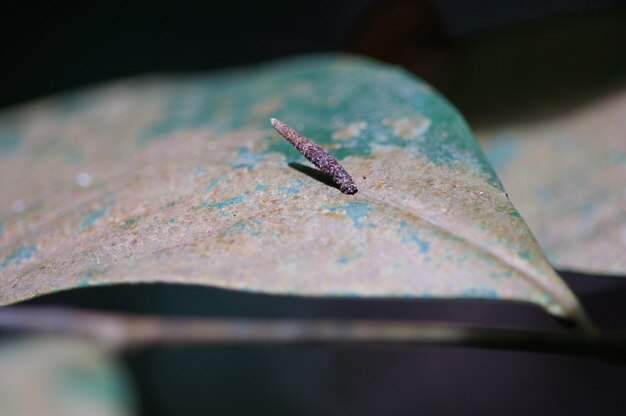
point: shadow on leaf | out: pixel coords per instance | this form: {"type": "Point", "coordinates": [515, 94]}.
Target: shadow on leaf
{"type": "Point", "coordinates": [313, 173]}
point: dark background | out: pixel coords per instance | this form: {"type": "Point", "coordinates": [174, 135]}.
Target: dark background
{"type": "Point", "coordinates": [494, 59]}
{"type": "Point", "coordinates": [498, 61]}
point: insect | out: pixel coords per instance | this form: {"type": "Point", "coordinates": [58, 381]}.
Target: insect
{"type": "Point", "coordinates": [318, 156]}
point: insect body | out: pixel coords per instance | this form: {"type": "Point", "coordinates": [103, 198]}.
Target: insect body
{"type": "Point", "coordinates": [318, 156]}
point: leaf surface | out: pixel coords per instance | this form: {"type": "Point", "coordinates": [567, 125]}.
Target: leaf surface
{"type": "Point", "coordinates": [567, 175]}
{"type": "Point", "coordinates": [184, 180]}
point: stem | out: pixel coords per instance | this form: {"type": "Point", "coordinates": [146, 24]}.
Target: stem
{"type": "Point", "coordinates": [121, 331]}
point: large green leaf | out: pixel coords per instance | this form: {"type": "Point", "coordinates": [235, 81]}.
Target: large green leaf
{"type": "Point", "coordinates": [184, 180]}
{"type": "Point", "coordinates": [567, 175]}
{"type": "Point", "coordinates": [43, 376]}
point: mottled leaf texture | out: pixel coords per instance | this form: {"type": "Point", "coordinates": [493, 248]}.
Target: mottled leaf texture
{"type": "Point", "coordinates": [184, 180]}
{"type": "Point", "coordinates": [567, 175]}
{"type": "Point", "coordinates": [61, 377]}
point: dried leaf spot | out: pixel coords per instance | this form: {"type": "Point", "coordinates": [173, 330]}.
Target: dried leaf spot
{"type": "Point", "coordinates": [411, 235]}
{"type": "Point", "coordinates": [212, 184]}
{"type": "Point", "coordinates": [260, 187]}
{"type": "Point", "coordinates": [247, 159]}
{"type": "Point", "coordinates": [21, 254]}
{"type": "Point", "coordinates": [350, 131]}
{"type": "Point", "coordinates": [293, 188]}
{"type": "Point", "coordinates": [479, 292]}
{"type": "Point", "coordinates": [267, 107]}
{"type": "Point", "coordinates": [130, 223]}
{"type": "Point", "coordinates": [409, 128]}
{"type": "Point", "coordinates": [92, 217]}
{"type": "Point", "coordinates": [356, 211]}
{"type": "Point", "coordinates": [223, 204]}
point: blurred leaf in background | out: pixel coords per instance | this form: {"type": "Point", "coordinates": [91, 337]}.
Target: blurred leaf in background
{"type": "Point", "coordinates": [567, 176]}
{"type": "Point", "coordinates": [48, 376]}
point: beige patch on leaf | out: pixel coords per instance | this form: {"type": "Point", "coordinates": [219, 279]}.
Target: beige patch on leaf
{"type": "Point", "coordinates": [350, 131]}
{"type": "Point", "coordinates": [409, 128]}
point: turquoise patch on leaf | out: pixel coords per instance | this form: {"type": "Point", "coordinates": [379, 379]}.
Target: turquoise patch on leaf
{"type": "Point", "coordinates": [21, 254]}
{"type": "Point", "coordinates": [356, 211]}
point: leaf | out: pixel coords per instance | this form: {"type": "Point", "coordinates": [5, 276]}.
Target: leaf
{"type": "Point", "coordinates": [42, 376]}
{"type": "Point", "coordinates": [184, 180]}
{"type": "Point", "coordinates": [567, 175]}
